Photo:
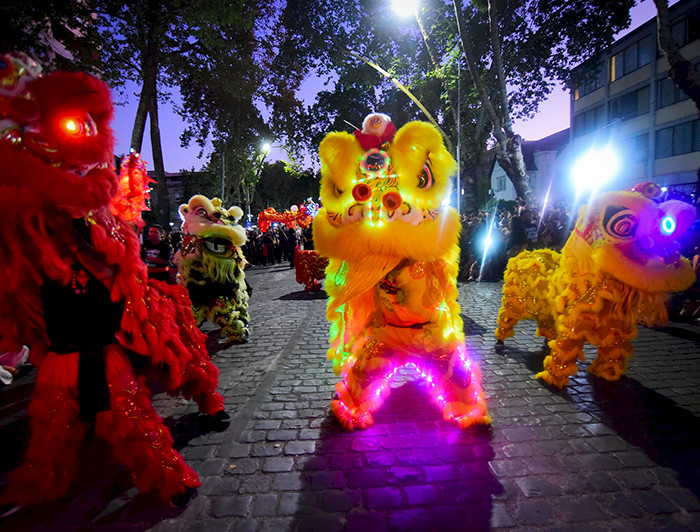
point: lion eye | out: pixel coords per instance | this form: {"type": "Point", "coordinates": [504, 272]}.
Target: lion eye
{"type": "Point", "coordinates": [337, 191]}
{"type": "Point", "coordinates": [620, 222]}
{"type": "Point", "coordinates": [425, 179]}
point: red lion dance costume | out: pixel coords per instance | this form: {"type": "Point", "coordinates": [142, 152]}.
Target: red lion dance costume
{"type": "Point", "coordinates": [73, 288]}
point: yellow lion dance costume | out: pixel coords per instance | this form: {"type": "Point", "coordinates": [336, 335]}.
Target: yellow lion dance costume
{"type": "Point", "coordinates": [615, 270]}
{"type": "Point", "coordinates": [393, 259]}
{"type": "Point", "coordinates": [211, 265]}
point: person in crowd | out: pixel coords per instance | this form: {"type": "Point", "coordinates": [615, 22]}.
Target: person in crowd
{"type": "Point", "coordinates": [291, 245]}
{"type": "Point", "coordinates": [156, 253]}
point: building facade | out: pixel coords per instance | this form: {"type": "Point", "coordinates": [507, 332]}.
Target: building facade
{"type": "Point", "coordinates": [544, 165]}
{"type": "Point", "coordinates": [628, 101]}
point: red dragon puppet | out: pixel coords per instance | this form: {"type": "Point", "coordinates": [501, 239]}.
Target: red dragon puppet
{"type": "Point", "coordinates": [72, 288]}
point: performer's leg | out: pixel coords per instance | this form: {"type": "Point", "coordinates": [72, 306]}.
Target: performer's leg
{"type": "Point", "coordinates": [614, 352]}
{"type": "Point", "coordinates": [138, 437]}
{"type": "Point", "coordinates": [50, 461]}
{"type": "Point", "coordinates": [512, 311]}
{"type": "Point", "coordinates": [226, 313]}
{"type": "Point", "coordinates": [199, 382]}
{"type": "Point", "coordinates": [458, 390]}
{"type": "Point", "coordinates": [364, 386]}
{"type": "Point", "coordinates": [561, 363]}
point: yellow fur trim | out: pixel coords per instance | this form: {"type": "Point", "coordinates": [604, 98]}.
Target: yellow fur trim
{"type": "Point", "coordinates": [425, 241]}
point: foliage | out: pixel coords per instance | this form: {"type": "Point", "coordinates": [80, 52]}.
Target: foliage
{"type": "Point", "coordinates": [280, 189]}
{"type": "Point", "coordinates": [59, 34]}
{"type": "Point", "coordinates": [540, 41]}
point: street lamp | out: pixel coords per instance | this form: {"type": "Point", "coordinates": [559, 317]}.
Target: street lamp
{"type": "Point", "coordinates": [265, 148]}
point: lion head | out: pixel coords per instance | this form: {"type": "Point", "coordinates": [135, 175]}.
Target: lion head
{"type": "Point", "coordinates": [635, 237]}
{"type": "Point", "coordinates": [55, 130]}
{"type": "Point", "coordinates": [382, 193]}
{"type": "Point", "coordinates": [214, 229]}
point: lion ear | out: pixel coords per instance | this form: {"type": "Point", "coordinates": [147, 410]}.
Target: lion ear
{"type": "Point", "coordinates": [339, 150]}
{"type": "Point", "coordinates": [235, 212]}
{"type": "Point", "coordinates": [183, 210]}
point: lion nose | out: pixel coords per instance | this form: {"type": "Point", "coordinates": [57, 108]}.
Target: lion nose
{"type": "Point", "coordinates": [392, 201]}
{"type": "Point", "coordinates": [361, 192]}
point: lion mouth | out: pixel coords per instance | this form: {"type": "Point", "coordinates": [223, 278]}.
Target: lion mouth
{"type": "Point", "coordinates": [52, 157]}
{"type": "Point", "coordinates": [221, 247]}
{"type": "Point", "coordinates": [373, 215]}
{"type": "Point", "coordinates": [658, 256]}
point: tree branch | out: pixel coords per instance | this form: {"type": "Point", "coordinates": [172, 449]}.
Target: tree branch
{"type": "Point", "coordinates": [406, 91]}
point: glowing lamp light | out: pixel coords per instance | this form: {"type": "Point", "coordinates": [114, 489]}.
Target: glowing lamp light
{"type": "Point", "coordinates": [668, 225]}
{"type": "Point", "coordinates": [595, 168]}
{"type": "Point", "coordinates": [405, 8]}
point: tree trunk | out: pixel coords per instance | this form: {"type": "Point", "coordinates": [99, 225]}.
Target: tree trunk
{"type": "Point", "coordinates": [509, 154]}
{"type": "Point", "coordinates": [680, 70]}
{"type": "Point", "coordinates": [468, 184]}
{"type": "Point", "coordinates": [513, 164]}
{"type": "Point", "coordinates": [160, 189]}
{"type": "Point", "coordinates": [148, 90]}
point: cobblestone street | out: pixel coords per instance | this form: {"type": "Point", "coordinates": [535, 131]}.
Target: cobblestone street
{"type": "Point", "coordinates": [621, 456]}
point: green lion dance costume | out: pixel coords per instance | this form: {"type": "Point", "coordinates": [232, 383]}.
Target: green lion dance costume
{"type": "Point", "coordinates": [210, 265]}
{"type": "Point", "coordinates": [616, 269]}
{"type": "Point", "coordinates": [393, 259]}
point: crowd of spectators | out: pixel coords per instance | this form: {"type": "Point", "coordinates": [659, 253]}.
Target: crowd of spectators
{"type": "Point", "coordinates": [276, 245]}
{"type": "Point", "coordinates": [490, 237]}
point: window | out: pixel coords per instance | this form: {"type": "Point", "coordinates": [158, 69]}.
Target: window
{"type": "Point", "coordinates": [633, 57]}
{"type": "Point", "coordinates": [677, 140]}
{"type": "Point", "coordinates": [638, 147]}
{"type": "Point", "coordinates": [687, 29]}
{"type": "Point", "coordinates": [593, 82]}
{"type": "Point", "coordinates": [667, 93]}
{"type": "Point", "coordinates": [588, 121]}
{"type": "Point", "coordinates": [629, 105]}
{"type": "Point", "coordinates": [500, 183]}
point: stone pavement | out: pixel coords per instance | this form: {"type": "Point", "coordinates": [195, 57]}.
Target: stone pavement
{"type": "Point", "coordinates": [603, 456]}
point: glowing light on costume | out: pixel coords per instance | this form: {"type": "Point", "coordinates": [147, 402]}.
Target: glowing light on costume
{"type": "Point", "coordinates": [70, 125]}
{"type": "Point", "coordinates": [610, 275]}
{"type": "Point", "coordinates": [388, 308]}
{"type": "Point", "coordinates": [668, 225]}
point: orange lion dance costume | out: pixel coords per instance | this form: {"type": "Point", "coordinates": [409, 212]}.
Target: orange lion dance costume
{"type": "Point", "coordinates": [616, 269]}
{"type": "Point", "coordinates": [393, 259]}
{"type": "Point", "coordinates": [73, 288]}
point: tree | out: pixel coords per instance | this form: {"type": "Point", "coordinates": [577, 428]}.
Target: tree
{"type": "Point", "coordinates": [515, 52]}
{"type": "Point", "coordinates": [59, 34]}
{"type": "Point", "coordinates": [168, 43]}
{"type": "Point", "coordinates": [280, 189]}
{"type": "Point", "coordinates": [680, 70]}
{"type": "Point", "coordinates": [530, 47]}
{"type": "Point", "coordinates": [365, 50]}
